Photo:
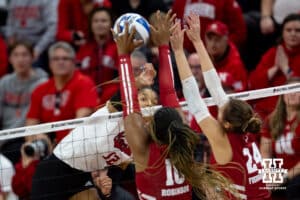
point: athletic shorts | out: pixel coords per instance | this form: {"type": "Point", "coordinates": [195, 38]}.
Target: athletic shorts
{"type": "Point", "coordinates": [54, 179]}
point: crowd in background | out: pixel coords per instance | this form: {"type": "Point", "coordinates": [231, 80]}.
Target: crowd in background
{"type": "Point", "coordinates": [58, 61]}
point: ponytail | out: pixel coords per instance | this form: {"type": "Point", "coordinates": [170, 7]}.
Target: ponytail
{"type": "Point", "coordinates": [181, 141]}
{"type": "Point", "coordinates": [181, 151]}
{"type": "Point", "coordinates": [253, 125]}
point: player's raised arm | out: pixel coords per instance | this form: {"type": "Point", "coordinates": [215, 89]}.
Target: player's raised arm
{"type": "Point", "coordinates": [160, 36]}
{"type": "Point", "coordinates": [211, 78]}
{"type": "Point", "coordinates": [135, 132]}
{"type": "Point", "coordinates": [210, 127]}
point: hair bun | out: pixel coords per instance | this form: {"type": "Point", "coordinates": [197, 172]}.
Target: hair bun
{"type": "Point", "coordinates": [253, 125]}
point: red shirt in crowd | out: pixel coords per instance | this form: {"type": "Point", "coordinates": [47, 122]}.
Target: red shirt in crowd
{"type": "Point", "coordinates": [169, 185]}
{"type": "Point", "coordinates": [226, 11]}
{"type": "Point", "coordinates": [259, 77]}
{"type": "Point", "coordinates": [3, 57]}
{"type": "Point", "coordinates": [243, 167]}
{"type": "Point", "coordinates": [22, 180]}
{"type": "Point", "coordinates": [49, 105]}
{"type": "Point", "coordinates": [233, 65]}
{"type": "Point", "coordinates": [287, 146]}
{"type": "Point", "coordinates": [99, 62]}
{"type": "Point", "coordinates": [71, 17]}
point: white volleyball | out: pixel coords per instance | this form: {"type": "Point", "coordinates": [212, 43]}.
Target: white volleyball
{"type": "Point", "coordinates": [134, 20]}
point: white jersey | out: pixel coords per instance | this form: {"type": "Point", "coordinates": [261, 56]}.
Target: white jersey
{"type": "Point", "coordinates": [94, 147]}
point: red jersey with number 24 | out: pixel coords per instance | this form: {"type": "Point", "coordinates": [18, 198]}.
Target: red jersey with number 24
{"type": "Point", "coordinates": [243, 168]}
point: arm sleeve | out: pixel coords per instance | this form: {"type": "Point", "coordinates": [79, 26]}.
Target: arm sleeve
{"type": "Point", "coordinates": [127, 87]}
{"type": "Point", "coordinates": [50, 20]}
{"type": "Point", "coordinates": [195, 102]}
{"type": "Point", "coordinates": [168, 95]}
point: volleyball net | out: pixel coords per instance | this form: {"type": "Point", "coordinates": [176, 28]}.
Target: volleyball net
{"type": "Point", "coordinates": [98, 141]}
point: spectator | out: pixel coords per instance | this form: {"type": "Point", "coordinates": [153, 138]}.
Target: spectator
{"type": "Point", "coordinates": [3, 57]}
{"type": "Point", "coordinates": [32, 21]}
{"type": "Point", "coordinates": [73, 20]}
{"type": "Point", "coordinates": [194, 63]}
{"type": "Point", "coordinates": [224, 55]}
{"type": "Point", "coordinates": [16, 88]}
{"type": "Point", "coordinates": [226, 11]}
{"type": "Point", "coordinates": [7, 172]}
{"type": "Point", "coordinates": [142, 7]}
{"type": "Point", "coordinates": [281, 137]}
{"type": "Point", "coordinates": [274, 12]}
{"type": "Point", "coordinates": [32, 152]}
{"type": "Point", "coordinates": [277, 64]}
{"type": "Point", "coordinates": [67, 95]}
{"type": "Point", "coordinates": [257, 43]}
{"type": "Point", "coordinates": [98, 57]}
{"type": "Point", "coordinates": [15, 91]}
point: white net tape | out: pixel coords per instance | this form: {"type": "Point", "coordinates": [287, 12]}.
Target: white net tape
{"type": "Point", "coordinates": [96, 141]}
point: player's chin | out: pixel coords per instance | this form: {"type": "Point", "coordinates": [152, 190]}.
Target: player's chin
{"type": "Point", "coordinates": [148, 82]}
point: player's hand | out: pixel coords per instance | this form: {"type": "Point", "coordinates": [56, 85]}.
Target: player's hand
{"type": "Point", "coordinates": [160, 30]}
{"type": "Point", "coordinates": [125, 41]}
{"type": "Point", "coordinates": [177, 37]}
{"type": "Point", "coordinates": [194, 28]}
{"type": "Point", "coordinates": [102, 181]}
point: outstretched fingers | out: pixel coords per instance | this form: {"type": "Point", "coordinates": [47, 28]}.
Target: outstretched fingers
{"type": "Point", "coordinates": [136, 43]}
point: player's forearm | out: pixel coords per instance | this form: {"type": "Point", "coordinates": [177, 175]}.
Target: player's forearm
{"type": "Point", "coordinates": [182, 65]}
{"type": "Point", "coordinates": [168, 96]}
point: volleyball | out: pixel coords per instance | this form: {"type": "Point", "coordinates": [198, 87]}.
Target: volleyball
{"type": "Point", "coordinates": [134, 20]}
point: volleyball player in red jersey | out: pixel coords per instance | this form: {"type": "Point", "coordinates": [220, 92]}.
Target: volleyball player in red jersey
{"type": "Point", "coordinates": [234, 153]}
{"type": "Point", "coordinates": [163, 147]}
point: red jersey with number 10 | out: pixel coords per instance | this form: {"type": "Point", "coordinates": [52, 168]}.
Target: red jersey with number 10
{"type": "Point", "coordinates": [161, 180]}
{"type": "Point", "coordinates": [243, 168]}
